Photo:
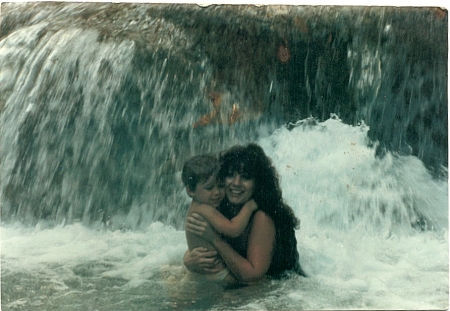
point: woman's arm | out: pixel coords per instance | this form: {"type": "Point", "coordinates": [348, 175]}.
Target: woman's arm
{"type": "Point", "coordinates": [201, 260]}
{"type": "Point", "coordinates": [232, 228]}
{"type": "Point", "coordinates": [259, 251]}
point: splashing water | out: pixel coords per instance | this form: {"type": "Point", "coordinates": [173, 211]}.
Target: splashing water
{"type": "Point", "coordinates": [356, 241]}
{"type": "Point", "coordinates": [97, 107]}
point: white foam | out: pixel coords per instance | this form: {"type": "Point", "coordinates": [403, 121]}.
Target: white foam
{"type": "Point", "coordinates": [328, 174]}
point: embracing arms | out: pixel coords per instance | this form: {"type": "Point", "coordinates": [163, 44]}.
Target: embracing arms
{"type": "Point", "coordinates": [260, 247]}
{"type": "Point", "coordinates": [232, 228]}
{"type": "Point", "coordinates": [201, 260]}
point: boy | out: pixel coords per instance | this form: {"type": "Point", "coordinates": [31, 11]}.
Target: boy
{"type": "Point", "coordinates": [199, 177]}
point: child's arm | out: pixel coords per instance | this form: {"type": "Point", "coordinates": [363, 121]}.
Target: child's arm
{"type": "Point", "coordinates": [223, 225]}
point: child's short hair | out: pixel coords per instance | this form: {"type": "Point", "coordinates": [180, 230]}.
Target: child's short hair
{"type": "Point", "coordinates": [198, 169]}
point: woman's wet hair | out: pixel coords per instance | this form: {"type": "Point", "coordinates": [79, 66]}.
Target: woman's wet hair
{"type": "Point", "coordinates": [236, 160]}
{"type": "Point", "coordinates": [251, 162]}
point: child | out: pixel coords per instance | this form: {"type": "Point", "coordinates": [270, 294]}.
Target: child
{"type": "Point", "coordinates": [199, 177]}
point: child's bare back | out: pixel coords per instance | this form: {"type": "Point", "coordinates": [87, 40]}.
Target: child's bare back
{"type": "Point", "coordinates": [195, 241]}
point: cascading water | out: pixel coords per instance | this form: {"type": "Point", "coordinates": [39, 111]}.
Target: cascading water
{"type": "Point", "coordinates": [97, 113]}
{"type": "Point", "coordinates": [95, 127]}
{"type": "Point", "coordinates": [100, 104]}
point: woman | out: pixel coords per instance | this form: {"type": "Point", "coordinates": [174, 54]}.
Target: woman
{"type": "Point", "coordinates": [268, 247]}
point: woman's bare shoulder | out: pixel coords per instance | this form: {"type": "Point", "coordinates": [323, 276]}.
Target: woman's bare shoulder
{"type": "Point", "coordinates": [261, 214]}
{"type": "Point", "coordinates": [262, 219]}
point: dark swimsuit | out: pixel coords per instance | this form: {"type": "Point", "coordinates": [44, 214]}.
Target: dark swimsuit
{"type": "Point", "coordinates": [285, 257]}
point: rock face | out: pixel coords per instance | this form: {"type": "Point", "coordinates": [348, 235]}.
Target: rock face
{"type": "Point", "coordinates": [100, 103]}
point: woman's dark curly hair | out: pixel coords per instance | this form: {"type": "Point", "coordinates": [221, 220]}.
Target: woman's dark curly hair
{"type": "Point", "coordinates": [251, 162]}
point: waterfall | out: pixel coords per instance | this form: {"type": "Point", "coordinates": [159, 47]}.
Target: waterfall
{"type": "Point", "coordinates": [100, 104]}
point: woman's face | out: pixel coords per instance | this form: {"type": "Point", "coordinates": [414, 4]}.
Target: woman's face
{"type": "Point", "coordinates": [239, 188]}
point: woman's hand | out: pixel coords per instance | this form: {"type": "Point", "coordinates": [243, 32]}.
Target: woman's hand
{"type": "Point", "coordinates": [197, 225]}
{"type": "Point", "coordinates": [201, 260]}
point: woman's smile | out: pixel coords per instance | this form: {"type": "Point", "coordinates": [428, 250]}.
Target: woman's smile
{"type": "Point", "coordinates": [239, 189]}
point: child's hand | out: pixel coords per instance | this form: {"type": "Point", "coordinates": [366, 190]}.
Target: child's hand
{"type": "Point", "coordinates": [252, 205]}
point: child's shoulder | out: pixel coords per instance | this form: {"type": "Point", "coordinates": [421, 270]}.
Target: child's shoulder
{"type": "Point", "coordinates": [196, 207]}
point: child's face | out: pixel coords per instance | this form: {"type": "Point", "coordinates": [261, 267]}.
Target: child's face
{"type": "Point", "coordinates": [209, 192]}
